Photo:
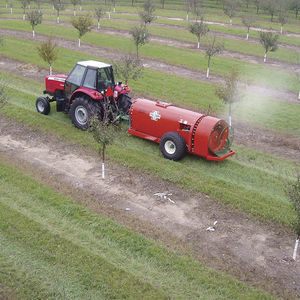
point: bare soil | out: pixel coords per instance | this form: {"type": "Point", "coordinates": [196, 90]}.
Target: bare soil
{"type": "Point", "coordinates": [151, 64]}
{"type": "Point", "coordinates": [256, 253]}
{"type": "Point", "coordinates": [253, 137]}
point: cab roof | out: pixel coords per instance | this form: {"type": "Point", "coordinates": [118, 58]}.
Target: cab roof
{"type": "Point", "coordinates": [93, 63]}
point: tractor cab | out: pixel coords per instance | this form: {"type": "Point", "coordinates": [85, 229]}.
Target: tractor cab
{"type": "Point", "coordinates": [90, 74]}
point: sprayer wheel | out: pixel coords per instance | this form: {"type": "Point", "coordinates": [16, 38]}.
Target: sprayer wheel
{"type": "Point", "coordinates": [172, 145]}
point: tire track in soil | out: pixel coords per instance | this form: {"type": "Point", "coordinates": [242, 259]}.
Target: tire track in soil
{"type": "Point", "coordinates": [251, 136]}
{"type": "Point", "coordinates": [256, 253]}
{"type": "Point", "coordinates": [156, 65]}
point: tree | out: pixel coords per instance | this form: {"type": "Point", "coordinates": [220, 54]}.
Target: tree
{"type": "Point", "coordinates": [24, 4]}
{"type": "Point", "coordinates": [140, 37]}
{"type": "Point", "coordinates": [230, 7]}
{"type": "Point", "coordinates": [38, 3]}
{"type": "Point", "coordinates": [35, 18]}
{"type": "Point", "coordinates": [11, 7]}
{"type": "Point", "coordinates": [80, 4]}
{"type": "Point", "coordinates": [83, 25]}
{"type": "Point", "coordinates": [103, 132]}
{"type": "Point", "coordinates": [294, 197]}
{"type": "Point", "coordinates": [283, 18]}
{"type": "Point", "coordinates": [58, 6]}
{"type": "Point", "coordinates": [188, 7]}
{"type": "Point", "coordinates": [147, 15]}
{"type": "Point", "coordinates": [269, 42]}
{"type": "Point", "coordinates": [270, 6]}
{"type": "Point", "coordinates": [47, 51]}
{"type": "Point", "coordinates": [199, 29]}
{"type": "Point", "coordinates": [213, 49]}
{"type": "Point", "coordinates": [248, 21]}
{"type": "Point", "coordinates": [162, 4]}
{"type": "Point", "coordinates": [128, 67]}
{"type": "Point", "coordinates": [114, 5]}
{"type": "Point", "coordinates": [257, 4]}
{"type": "Point", "coordinates": [74, 3]}
{"type": "Point", "coordinates": [99, 13]}
{"type": "Point", "coordinates": [230, 93]}
{"type": "Point", "coordinates": [295, 5]}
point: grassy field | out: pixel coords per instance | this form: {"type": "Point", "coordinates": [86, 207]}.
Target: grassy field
{"type": "Point", "coordinates": [261, 74]}
{"type": "Point", "coordinates": [178, 90]}
{"type": "Point", "coordinates": [251, 181]}
{"type": "Point", "coordinates": [51, 247]}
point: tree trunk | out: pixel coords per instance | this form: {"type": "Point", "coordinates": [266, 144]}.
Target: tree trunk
{"type": "Point", "coordinates": [74, 12]}
{"type": "Point", "coordinates": [187, 16]}
{"type": "Point", "coordinates": [137, 51]}
{"type": "Point", "coordinates": [33, 34]}
{"type": "Point", "coordinates": [247, 38]}
{"type": "Point", "coordinates": [265, 57]}
{"type": "Point", "coordinates": [299, 95]}
{"type": "Point", "coordinates": [114, 9]}
{"type": "Point", "coordinates": [109, 15]}
{"type": "Point", "coordinates": [11, 10]}
{"type": "Point", "coordinates": [57, 20]}
{"type": "Point", "coordinates": [207, 71]}
{"type": "Point", "coordinates": [198, 46]}
{"type": "Point", "coordinates": [50, 70]}
{"type": "Point", "coordinates": [78, 42]}
{"type": "Point", "coordinates": [103, 161]}
{"type": "Point", "coordinates": [53, 7]}
{"type": "Point", "coordinates": [6, 5]}
{"type": "Point", "coordinates": [230, 114]}
{"type": "Point", "coordinates": [230, 21]}
{"type": "Point", "coordinates": [281, 29]}
{"type": "Point", "coordinates": [23, 17]}
{"type": "Point", "coordinates": [98, 26]}
{"type": "Point", "coordinates": [295, 248]}
{"type": "Point", "coordinates": [80, 7]}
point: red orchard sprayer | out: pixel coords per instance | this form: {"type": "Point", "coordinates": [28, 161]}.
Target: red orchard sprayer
{"type": "Point", "coordinates": [179, 130]}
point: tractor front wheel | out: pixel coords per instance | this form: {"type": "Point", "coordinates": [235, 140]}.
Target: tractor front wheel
{"type": "Point", "coordinates": [172, 146]}
{"type": "Point", "coordinates": [42, 105]}
{"type": "Point", "coordinates": [81, 111]}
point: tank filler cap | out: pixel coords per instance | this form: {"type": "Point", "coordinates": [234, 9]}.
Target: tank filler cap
{"type": "Point", "coordinates": [163, 104]}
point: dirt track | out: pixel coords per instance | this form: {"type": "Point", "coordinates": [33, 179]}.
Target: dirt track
{"type": "Point", "coordinates": [253, 252]}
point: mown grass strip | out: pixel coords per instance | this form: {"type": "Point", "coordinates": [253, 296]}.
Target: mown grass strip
{"type": "Point", "coordinates": [46, 234]}
{"type": "Point", "coordinates": [188, 58]}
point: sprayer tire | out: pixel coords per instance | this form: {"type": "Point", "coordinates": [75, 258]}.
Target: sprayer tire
{"type": "Point", "coordinates": [173, 146]}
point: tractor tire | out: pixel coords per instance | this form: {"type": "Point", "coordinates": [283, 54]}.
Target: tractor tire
{"type": "Point", "coordinates": [42, 105]}
{"type": "Point", "coordinates": [125, 103]}
{"type": "Point", "coordinates": [172, 145]}
{"type": "Point", "coordinates": [82, 110]}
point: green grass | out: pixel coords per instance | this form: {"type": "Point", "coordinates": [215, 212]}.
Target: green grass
{"type": "Point", "coordinates": [251, 181]}
{"type": "Point", "coordinates": [185, 92]}
{"type": "Point", "coordinates": [51, 247]}
{"type": "Point", "coordinates": [257, 73]}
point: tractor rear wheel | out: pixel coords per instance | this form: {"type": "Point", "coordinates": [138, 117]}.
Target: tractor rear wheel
{"type": "Point", "coordinates": [42, 105]}
{"type": "Point", "coordinates": [125, 103]}
{"type": "Point", "coordinates": [82, 110]}
{"type": "Point", "coordinates": [172, 146]}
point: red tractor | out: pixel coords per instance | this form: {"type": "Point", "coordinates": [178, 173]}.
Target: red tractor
{"type": "Point", "coordinates": [81, 93]}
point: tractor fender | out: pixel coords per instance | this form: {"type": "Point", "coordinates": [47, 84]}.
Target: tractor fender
{"type": "Point", "coordinates": [95, 95]}
{"type": "Point", "coordinates": [122, 89]}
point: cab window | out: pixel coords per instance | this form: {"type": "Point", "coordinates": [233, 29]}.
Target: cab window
{"type": "Point", "coordinates": [104, 79]}
{"type": "Point", "coordinates": [90, 79]}
{"type": "Point", "coordinates": [76, 75]}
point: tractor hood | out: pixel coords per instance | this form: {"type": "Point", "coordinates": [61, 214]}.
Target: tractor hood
{"type": "Point", "coordinates": [55, 82]}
